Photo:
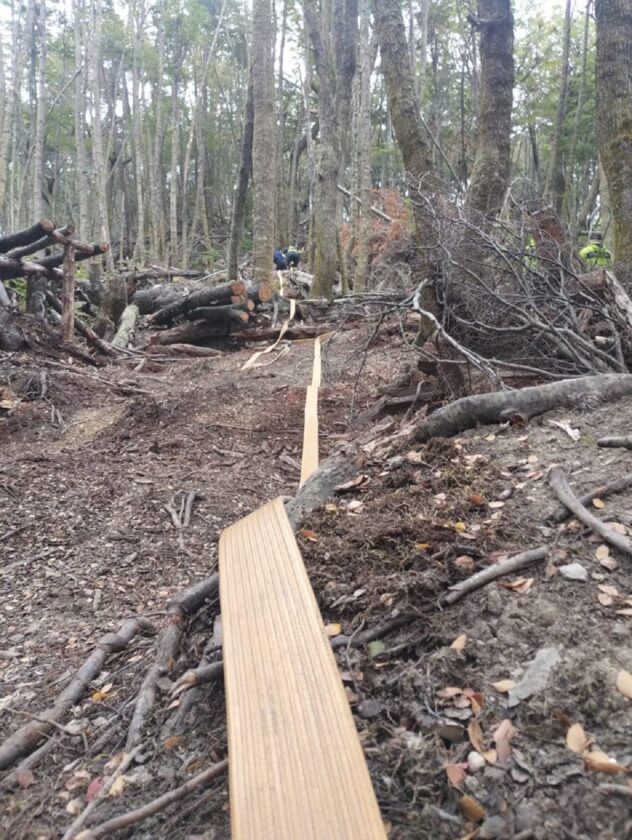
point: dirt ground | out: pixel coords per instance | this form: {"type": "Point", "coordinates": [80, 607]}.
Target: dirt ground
{"type": "Point", "coordinates": [86, 542]}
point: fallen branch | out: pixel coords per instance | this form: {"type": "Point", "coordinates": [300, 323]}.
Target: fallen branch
{"type": "Point", "coordinates": [24, 237]}
{"type": "Point", "coordinates": [182, 350]}
{"type": "Point", "coordinates": [159, 804]}
{"type": "Point", "coordinates": [90, 336]}
{"type": "Point", "coordinates": [79, 822]}
{"type": "Point", "coordinates": [377, 632]}
{"type": "Point", "coordinates": [26, 739]}
{"type": "Point", "coordinates": [199, 676]}
{"type": "Point", "coordinates": [563, 513]}
{"type": "Point", "coordinates": [615, 442]}
{"type": "Point", "coordinates": [181, 607]}
{"type": "Point", "coordinates": [500, 406]}
{"type": "Point", "coordinates": [485, 576]}
{"type": "Point", "coordinates": [126, 327]}
{"type": "Point", "coordinates": [560, 485]}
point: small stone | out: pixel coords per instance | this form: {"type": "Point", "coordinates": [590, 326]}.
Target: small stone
{"type": "Point", "coordinates": [493, 828]}
{"type": "Point", "coordinates": [547, 614]}
{"type": "Point", "coordinates": [370, 708]}
{"type": "Point", "coordinates": [494, 602]}
{"type": "Point", "coordinates": [620, 630]}
{"type": "Point", "coordinates": [527, 816]}
{"type": "Point", "coordinates": [536, 676]}
{"type": "Point", "coordinates": [495, 774]}
{"type": "Point", "coordinates": [574, 571]}
{"type": "Point", "coordinates": [475, 762]}
{"type": "Point", "coordinates": [471, 784]}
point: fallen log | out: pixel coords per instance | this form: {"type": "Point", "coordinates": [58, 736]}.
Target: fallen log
{"type": "Point", "coordinates": [11, 268]}
{"type": "Point", "coordinates": [260, 294]}
{"type": "Point", "coordinates": [27, 737]}
{"type": "Point", "coordinates": [499, 406]}
{"type": "Point", "coordinates": [485, 576]}
{"type": "Point", "coordinates": [24, 237]}
{"type": "Point", "coordinates": [293, 333]}
{"type": "Point", "coordinates": [179, 609]}
{"type": "Point", "coordinates": [149, 300]}
{"type": "Point", "coordinates": [190, 333]}
{"type": "Point", "coordinates": [92, 250]}
{"type": "Point", "coordinates": [219, 314]}
{"type": "Point", "coordinates": [218, 295]}
{"type": "Point", "coordinates": [562, 490]}
{"type": "Point", "coordinates": [126, 327]}
{"type": "Point", "coordinates": [182, 350]}
{"type": "Point", "coordinates": [600, 492]}
{"type": "Point", "coordinates": [53, 238]}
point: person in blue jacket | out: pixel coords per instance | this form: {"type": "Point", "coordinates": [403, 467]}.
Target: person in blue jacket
{"type": "Point", "coordinates": [280, 261]}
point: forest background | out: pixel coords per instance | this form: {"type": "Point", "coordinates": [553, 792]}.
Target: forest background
{"type": "Point", "coordinates": [128, 120]}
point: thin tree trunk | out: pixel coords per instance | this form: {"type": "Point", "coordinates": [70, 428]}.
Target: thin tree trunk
{"type": "Point", "coordinates": [137, 18]}
{"type": "Point", "coordinates": [364, 150]}
{"type": "Point", "coordinates": [264, 145]}
{"type": "Point", "coordinates": [40, 118]}
{"type": "Point", "coordinates": [555, 185]}
{"type": "Point", "coordinates": [80, 122]}
{"type": "Point", "coordinates": [614, 118]}
{"type": "Point", "coordinates": [245, 169]}
{"type": "Point", "coordinates": [490, 176]}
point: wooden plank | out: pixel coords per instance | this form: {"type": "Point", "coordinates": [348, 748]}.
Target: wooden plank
{"type": "Point", "coordinates": [297, 771]}
{"type": "Point", "coordinates": [309, 460]}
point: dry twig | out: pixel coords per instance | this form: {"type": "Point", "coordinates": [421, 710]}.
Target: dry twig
{"type": "Point", "coordinates": [485, 576]}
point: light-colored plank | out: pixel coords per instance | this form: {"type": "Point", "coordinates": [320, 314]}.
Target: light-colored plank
{"type": "Point", "coordinates": [309, 460]}
{"type": "Point", "coordinates": [297, 771]}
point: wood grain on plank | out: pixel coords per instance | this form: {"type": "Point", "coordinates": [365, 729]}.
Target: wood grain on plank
{"type": "Point", "coordinates": [309, 460]}
{"type": "Point", "coordinates": [297, 770]}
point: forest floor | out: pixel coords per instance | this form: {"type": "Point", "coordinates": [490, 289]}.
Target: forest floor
{"type": "Point", "coordinates": [86, 542]}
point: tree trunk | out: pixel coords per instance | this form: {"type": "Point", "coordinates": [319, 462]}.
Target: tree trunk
{"type": "Point", "coordinates": [83, 190]}
{"type": "Point", "coordinates": [40, 118]}
{"type": "Point", "coordinates": [555, 184]}
{"type": "Point", "coordinates": [490, 176]}
{"type": "Point", "coordinates": [245, 169]}
{"type": "Point", "coordinates": [264, 146]}
{"type": "Point", "coordinates": [68, 296]}
{"type": "Point", "coordinates": [614, 120]}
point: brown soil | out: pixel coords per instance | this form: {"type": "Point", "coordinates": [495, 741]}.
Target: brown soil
{"type": "Point", "coordinates": [86, 474]}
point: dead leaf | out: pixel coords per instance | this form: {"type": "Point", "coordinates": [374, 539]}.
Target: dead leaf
{"type": "Point", "coordinates": [460, 642]}
{"type": "Point", "coordinates": [626, 611]}
{"type": "Point", "coordinates": [605, 600]}
{"type": "Point", "coordinates": [172, 742]}
{"type": "Point", "coordinates": [602, 763]}
{"type": "Point", "coordinates": [576, 739]}
{"type": "Point", "coordinates": [333, 630]}
{"type": "Point", "coordinates": [602, 552]}
{"type": "Point", "coordinates": [74, 807]}
{"type": "Point", "coordinates": [624, 683]}
{"type": "Point", "coordinates": [503, 737]}
{"type": "Point", "coordinates": [464, 562]}
{"type": "Point", "coordinates": [496, 505]}
{"type": "Point", "coordinates": [617, 526]}
{"type": "Point", "coordinates": [472, 810]}
{"type": "Point", "coordinates": [598, 503]}
{"type": "Point", "coordinates": [93, 788]}
{"type": "Point", "coordinates": [460, 527]}
{"type": "Point", "coordinates": [477, 499]}
{"type": "Point", "coordinates": [309, 535]}
{"type": "Point", "coordinates": [609, 563]}
{"type": "Point", "coordinates": [455, 773]}
{"type": "Point", "coordinates": [504, 685]}
{"type": "Point", "coordinates": [422, 546]}
{"type": "Point", "coordinates": [350, 485]}
{"type": "Point", "coordinates": [475, 734]}
{"type": "Point", "coordinates": [609, 590]}
{"type": "Point", "coordinates": [25, 778]}
{"type": "Point", "coordinates": [330, 507]}
{"type": "Point", "coordinates": [118, 787]}
{"type": "Point", "coordinates": [355, 506]}
{"type": "Point", "coordinates": [521, 584]}
{"type": "Point", "coordinates": [449, 692]}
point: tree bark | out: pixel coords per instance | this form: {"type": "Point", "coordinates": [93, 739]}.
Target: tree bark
{"type": "Point", "coordinates": [490, 176]}
{"type": "Point", "coordinates": [68, 296]}
{"type": "Point", "coordinates": [614, 119]}
{"type": "Point", "coordinates": [241, 192]}
{"type": "Point", "coordinates": [126, 327]}
{"type": "Point", "coordinates": [264, 146]}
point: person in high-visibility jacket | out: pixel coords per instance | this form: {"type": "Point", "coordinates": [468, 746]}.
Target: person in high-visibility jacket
{"type": "Point", "coordinates": [595, 254]}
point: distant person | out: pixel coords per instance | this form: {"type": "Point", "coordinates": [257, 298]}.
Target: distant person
{"type": "Point", "coordinates": [280, 261]}
{"type": "Point", "coordinates": [595, 254]}
{"type": "Point", "coordinates": [293, 256]}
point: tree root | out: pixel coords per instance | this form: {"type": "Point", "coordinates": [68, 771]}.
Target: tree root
{"type": "Point", "coordinates": [485, 576]}
{"type": "Point", "coordinates": [181, 607]}
{"type": "Point", "coordinates": [560, 485]}
{"type": "Point", "coordinates": [563, 513]}
{"type": "Point", "coordinates": [26, 739]}
{"type": "Point", "coordinates": [498, 406]}
{"type": "Point", "coordinates": [106, 829]}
